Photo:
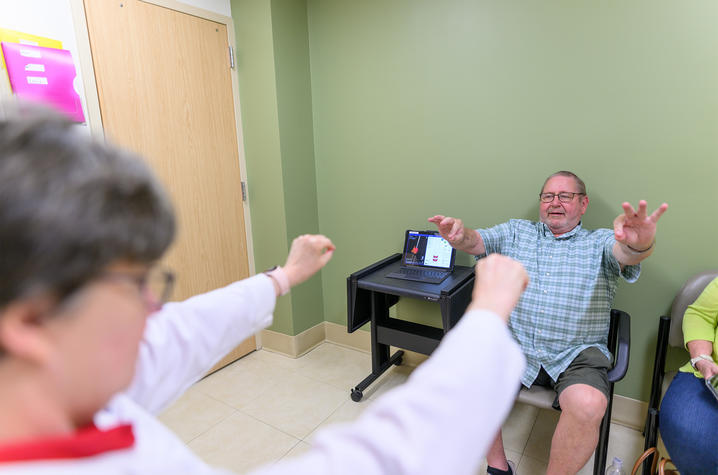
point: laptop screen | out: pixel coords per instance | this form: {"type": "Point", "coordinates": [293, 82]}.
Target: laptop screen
{"type": "Point", "coordinates": [427, 249]}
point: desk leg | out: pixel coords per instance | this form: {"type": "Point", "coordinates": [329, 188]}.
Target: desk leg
{"type": "Point", "coordinates": [358, 392]}
{"type": "Point", "coordinates": [454, 306]}
{"type": "Point", "coordinates": [380, 360]}
{"type": "Point", "coordinates": [379, 314]}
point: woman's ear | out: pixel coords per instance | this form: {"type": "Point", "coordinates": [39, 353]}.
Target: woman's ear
{"type": "Point", "coordinates": [23, 330]}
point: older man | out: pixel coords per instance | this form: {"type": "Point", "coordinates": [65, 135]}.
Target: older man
{"type": "Point", "coordinates": [562, 320]}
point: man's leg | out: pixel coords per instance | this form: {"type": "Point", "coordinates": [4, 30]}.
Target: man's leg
{"type": "Point", "coordinates": [576, 435]}
{"type": "Point", "coordinates": [496, 457]}
{"type": "Point", "coordinates": [583, 391]}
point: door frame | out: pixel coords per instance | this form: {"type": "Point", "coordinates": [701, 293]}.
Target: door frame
{"type": "Point", "coordinates": [93, 102]}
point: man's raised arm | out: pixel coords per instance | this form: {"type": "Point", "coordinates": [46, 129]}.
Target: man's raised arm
{"type": "Point", "coordinates": [635, 233]}
{"type": "Point", "coordinates": [452, 229]}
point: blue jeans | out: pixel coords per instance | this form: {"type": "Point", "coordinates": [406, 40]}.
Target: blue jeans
{"type": "Point", "coordinates": [688, 421]}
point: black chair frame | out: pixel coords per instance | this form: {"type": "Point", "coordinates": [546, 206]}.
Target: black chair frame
{"type": "Point", "coordinates": [650, 431]}
{"type": "Point", "coordinates": [619, 344]}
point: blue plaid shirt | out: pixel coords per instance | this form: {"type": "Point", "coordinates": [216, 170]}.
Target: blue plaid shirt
{"type": "Point", "coordinates": [566, 307]}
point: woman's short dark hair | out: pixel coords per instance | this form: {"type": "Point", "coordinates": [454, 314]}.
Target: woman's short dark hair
{"type": "Point", "coordinates": [70, 206]}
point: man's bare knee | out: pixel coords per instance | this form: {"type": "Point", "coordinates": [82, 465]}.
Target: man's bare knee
{"type": "Point", "coordinates": [583, 402]}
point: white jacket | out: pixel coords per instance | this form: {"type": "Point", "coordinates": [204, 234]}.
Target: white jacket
{"type": "Point", "coordinates": [441, 421]}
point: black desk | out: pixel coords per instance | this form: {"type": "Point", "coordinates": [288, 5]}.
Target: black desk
{"type": "Point", "coordinates": [370, 294]}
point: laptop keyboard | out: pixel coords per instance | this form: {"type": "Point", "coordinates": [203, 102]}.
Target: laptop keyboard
{"type": "Point", "coordinates": [433, 274]}
{"type": "Point", "coordinates": [421, 275]}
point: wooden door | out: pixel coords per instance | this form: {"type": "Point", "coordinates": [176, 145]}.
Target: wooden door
{"type": "Point", "coordinates": [165, 91]}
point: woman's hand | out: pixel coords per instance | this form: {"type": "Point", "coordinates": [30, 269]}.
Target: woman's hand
{"type": "Point", "coordinates": [308, 254]}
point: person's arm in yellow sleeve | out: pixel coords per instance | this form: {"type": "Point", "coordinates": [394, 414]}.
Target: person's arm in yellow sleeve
{"type": "Point", "coordinates": [699, 329]}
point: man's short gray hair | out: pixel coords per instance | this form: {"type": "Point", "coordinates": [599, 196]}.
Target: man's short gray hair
{"type": "Point", "coordinates": [579, 182]}
{"type": "Point", "coordinates": [70, 206]}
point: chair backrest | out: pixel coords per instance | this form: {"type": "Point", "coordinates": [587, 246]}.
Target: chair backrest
{"type": "Point", "coordinates": [686, 296]}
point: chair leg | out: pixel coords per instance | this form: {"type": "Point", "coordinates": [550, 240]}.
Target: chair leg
{"type": "Point", "coordinates": [651, 437]}
{"type": "Point", "coordinates": [599, 460]}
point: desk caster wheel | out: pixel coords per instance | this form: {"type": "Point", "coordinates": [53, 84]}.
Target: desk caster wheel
{"type": "Point", "coordinates": [356, 395]}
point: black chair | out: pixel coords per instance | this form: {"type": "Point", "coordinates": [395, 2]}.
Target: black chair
{"type": "Point", "coordinates": [619, 344]}
{"type": "Point", "coordinates": [670, 332]}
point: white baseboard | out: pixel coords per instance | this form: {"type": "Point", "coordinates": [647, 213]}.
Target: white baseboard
{"type": "Point", "coordinates": [629, 412]}
{"type": "Point", "coordinates": [293, 346]}
{"type": "Point", "coordinates": [358, 340]}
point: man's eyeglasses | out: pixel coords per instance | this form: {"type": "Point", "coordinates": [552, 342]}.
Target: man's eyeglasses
{"type": "Point", "coordinates": [563, 197]}
{"type": "Point", "coordinates": [158, 281]}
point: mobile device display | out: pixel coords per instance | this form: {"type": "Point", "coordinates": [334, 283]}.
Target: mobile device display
{"type": "Point", "coordinates": [712, 384]}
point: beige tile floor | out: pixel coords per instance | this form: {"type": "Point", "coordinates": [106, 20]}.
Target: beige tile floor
{"type": "Point", "coordinates": [266, 406]}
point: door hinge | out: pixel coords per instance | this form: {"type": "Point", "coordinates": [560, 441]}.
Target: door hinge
{"type": "Point", "coordinates": [244, 191]}
{"type": "Point", "coordinates": [231, 57]}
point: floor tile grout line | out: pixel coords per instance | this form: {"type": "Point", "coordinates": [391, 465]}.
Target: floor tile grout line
{"type": "Point", "coordinates": [335, 386]}
{"type": "Point", "coordinates": [273, 426]}
{"type": "Point", "coordinates": [535, 421]}
{"type": "Point", "coordinates": [305, 439]}
{"type": "Point", "coordinates": [236, 410]}
{"type": "Point", "coordinates": [232, 406]}
{"type": "Point", "coordinates": [533, 428]}
{"type": "Point", "coordinates": [225, 403]}
{"type": "Point", "coordinates": [251, 400]}
{"type": "Point", "coordinates": [212, 426]}
{"type": "Point", "coordinates": [300, 369]}
{"type": "Point", "coordinates": [523, 454]}
{"type": "Point", "coordinates": [287, 452]}
{"type": "Point", "coordinates": [318, 380]}
{"type": "Point", "coordinates": [242, 410]}
{"type": "Point", "coordinates": [347, 347]}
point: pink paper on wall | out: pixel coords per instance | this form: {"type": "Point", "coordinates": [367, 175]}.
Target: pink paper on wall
{"type": "Point", "coordinates": [43, 75]}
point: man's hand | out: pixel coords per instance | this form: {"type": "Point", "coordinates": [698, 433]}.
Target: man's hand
{"type": "Point", "coordinates": [452, 229]}
{"type": "Point", "coordinates": [498, 285]}
{"type": "Point", "coordinates": [636, 229]}
{"type": "Point", "coordinates": [308, 254]}
{"type": "Point", "coordinates": [635, 232]}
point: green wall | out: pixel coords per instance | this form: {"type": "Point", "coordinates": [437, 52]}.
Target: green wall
{"type": "Point", "coordinates": [275, 96]}
{"type": "Point", "coordinates": [476, 102]}
{"type": "Point", "coordinates": [294, 100]}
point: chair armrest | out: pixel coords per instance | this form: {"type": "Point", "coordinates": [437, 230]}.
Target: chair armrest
{"type": "Point", "coordinates": [619, 342]}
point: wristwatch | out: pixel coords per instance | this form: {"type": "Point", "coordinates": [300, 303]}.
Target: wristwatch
{"type": "Point", "coordinates": [700, 357]}
{"type": "Point", "coordinates": [278, 275]}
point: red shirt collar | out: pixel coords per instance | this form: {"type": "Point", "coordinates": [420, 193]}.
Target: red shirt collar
{"type": "Point", "coordinates": [85, 442]}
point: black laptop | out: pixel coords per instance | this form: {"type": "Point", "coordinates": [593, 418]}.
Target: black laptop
{"type": "Point", "coordinates": [427, 257]}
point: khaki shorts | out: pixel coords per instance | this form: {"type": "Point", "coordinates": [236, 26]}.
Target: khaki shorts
{"type": "Point", "coordinates": [589, 367]}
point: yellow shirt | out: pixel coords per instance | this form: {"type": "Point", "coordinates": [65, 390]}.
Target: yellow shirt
{"type": "Point", "coordinates": [700, 322]}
